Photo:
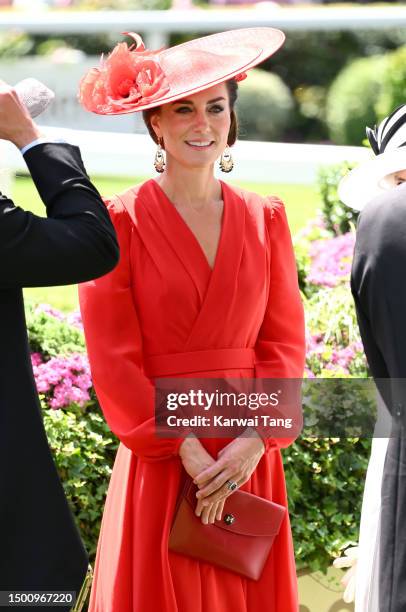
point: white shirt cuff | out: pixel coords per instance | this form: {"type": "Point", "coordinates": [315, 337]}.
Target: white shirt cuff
{"type": "Point", "coordinates": [38, 141]}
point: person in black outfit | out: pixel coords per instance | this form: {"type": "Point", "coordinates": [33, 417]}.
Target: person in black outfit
{"type": "Point", "coordinates": [40, 547]}
{"type": "Point", "coordinates": [379, 290]}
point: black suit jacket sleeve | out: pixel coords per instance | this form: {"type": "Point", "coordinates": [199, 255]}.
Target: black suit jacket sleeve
{"type": "Point", "coordinates": [378, 283]}
{"type": "Point", "coordinates": [74, 244]}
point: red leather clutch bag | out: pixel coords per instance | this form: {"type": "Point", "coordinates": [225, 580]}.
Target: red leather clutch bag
{"type": "Point", "coordinates": [240, 542]}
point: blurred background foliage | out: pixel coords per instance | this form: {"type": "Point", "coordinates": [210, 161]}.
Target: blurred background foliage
{"type": "Point", "coordinates": [351, 100]}
{"type": "Point", "coordinates": [123, 5]}
{"type": "Point", "coordinates": [338, 218]}
{"type": "Point", "coordinates": [264, 95]}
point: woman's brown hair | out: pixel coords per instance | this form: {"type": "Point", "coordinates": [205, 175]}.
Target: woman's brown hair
{"type": "Point", "coordinates": [232, 88]}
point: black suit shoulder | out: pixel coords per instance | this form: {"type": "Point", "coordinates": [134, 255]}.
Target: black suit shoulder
{"type": "Point", "coordinates": [381, 229]}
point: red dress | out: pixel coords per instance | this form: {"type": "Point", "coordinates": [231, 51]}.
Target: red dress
{"type": "Point", "coordinates": [164, 311]}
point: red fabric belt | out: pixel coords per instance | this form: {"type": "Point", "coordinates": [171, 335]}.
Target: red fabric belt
{"type": "Point", "coordinates": [173, 364]}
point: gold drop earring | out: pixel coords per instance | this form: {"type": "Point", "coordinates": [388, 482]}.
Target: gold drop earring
{"type": "Point", "coordinates": [226, 160]}
{"type": "Point", "coordinates": [159, 161]}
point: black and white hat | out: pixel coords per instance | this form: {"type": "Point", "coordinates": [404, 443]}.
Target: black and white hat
{"type": "Point", "coordinates": [388, 142]}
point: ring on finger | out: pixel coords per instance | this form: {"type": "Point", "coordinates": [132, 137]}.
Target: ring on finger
{"type": "Point", "coordinates": [231, 485]}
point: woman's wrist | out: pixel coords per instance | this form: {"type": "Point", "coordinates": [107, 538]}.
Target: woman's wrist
{"type": "Point", "coordinates": [251, 432]}
{"type": "Point", "coordinates": [189, 444]}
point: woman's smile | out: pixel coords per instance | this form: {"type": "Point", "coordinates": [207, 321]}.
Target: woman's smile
{"type": "Point", "coordinates": [200, 144]}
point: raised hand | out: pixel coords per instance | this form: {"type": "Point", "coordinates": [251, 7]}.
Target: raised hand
{"type": "Point", "coordinates": [16, 124]}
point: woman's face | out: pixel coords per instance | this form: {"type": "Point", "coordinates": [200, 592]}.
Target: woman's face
{"type": "Point", "coordinates": [399, 177]}
{"type": "Point", "coordinates": [395, 179]}
{"type": "Point", "coordinates": [195, 129]}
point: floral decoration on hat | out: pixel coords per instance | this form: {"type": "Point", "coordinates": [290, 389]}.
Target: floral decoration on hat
{"type": "Point", "coordinates": [128, 78]}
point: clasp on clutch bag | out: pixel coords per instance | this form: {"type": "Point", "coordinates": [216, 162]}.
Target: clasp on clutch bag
{"type": "Point", "coordinates": [229, 519]}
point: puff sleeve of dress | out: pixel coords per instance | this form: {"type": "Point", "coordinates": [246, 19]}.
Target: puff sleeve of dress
{"type": "Point", "coordinates": [114, 344]}
{"type": "Point", "coordinates": [280, 346]}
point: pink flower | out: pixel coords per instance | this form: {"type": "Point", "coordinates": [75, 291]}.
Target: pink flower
{"type": "Point", "coordinates": [313, 225]}
{"type": "Point", "coordinates": [331, 356]}
{"type": "Point", "coordinates": [64, 380]}
{"type": "Point", "coordinates": [128, 78]}
{"type": "Point", "coordinates": [75, 319]}
{"type": "Point", "coordinates": [331, 260]}
{"type": "Point", "coordinates": [49, 310]}
{"type": "Point", "coordinates": [36, 359]}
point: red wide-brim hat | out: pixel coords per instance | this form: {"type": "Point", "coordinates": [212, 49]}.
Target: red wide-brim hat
{"type": "Point", "coordinates": [133, 79]}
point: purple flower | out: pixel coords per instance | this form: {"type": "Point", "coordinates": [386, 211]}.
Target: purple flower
{"type": "Point", "coordinates": [332, 356]}
{"type": "Point", "coordinates": [75, 319]}
{"type": "Point", "coordinates": [313, 226]}
{"type": "Point", "coordinates": [49, 310]}
{"type": "Point", "coordinates": [331, 260]}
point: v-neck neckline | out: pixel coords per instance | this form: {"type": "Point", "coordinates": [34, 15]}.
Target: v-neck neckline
{"type": "Point", "coordinates": [158, 218]}
{"type": "Point", "coordinates": [192, 235]}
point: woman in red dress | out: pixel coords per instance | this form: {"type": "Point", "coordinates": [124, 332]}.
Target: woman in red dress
{"type": "Point", "coordinates": [206, 286]}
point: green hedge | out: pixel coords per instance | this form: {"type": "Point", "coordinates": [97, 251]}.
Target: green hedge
{"type": "Point", "coordinates": [324, 479]}
{"type": "Point", "coordinates": [351, 100]}
{"type": "Point", "coordinates": [264, 106]}
{"type": "Point", "coordinates": [84, 450]}
{"type": "Point", "coordinates": [338, 218]}
{"type": "Point", "coordinates": [393, 92]}
{"type": "Point", "coordinates": [364, 92]}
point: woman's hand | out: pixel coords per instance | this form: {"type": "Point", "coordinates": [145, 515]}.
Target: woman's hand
{"type": "Point", "coordinates": [236, 462]}
{"type": "Point", "coordinates": [195, 460]}
{"type": "Point", "coordinates": [350, 559]}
